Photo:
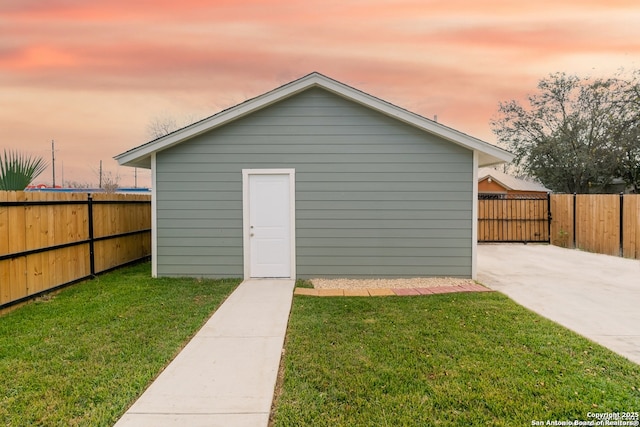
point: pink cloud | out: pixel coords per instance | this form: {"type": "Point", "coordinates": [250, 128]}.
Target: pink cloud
{"type": "Point", "coordinates": [37, 57]}
{"type": "Point", "coordinates": [132, 59]}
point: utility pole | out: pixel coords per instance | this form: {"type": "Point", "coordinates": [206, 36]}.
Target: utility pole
{"type": "Point", "coordinates": [53, 162]}
{"type": "Point", "coordinates": [100, 173]}
{"type": "Point", "coordinates": [135, 177]}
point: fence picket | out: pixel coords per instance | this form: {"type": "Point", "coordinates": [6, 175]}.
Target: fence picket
{"type": "Point", "coordinates": [631, 219]}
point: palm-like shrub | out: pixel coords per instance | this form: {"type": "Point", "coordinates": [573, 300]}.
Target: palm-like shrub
{"type": "Point", "coordinates": [17, 170]}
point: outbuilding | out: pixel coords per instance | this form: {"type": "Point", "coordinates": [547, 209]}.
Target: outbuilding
{"type": "Point", "coordinates": [314, 179]}
{"type": "Point", "coordinates": [493, 184]}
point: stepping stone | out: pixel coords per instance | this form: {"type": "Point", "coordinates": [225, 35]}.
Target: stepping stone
{"type": "Point", "coordinates": [306, 291]}
{"type": "Point", "coordinates": [356, 293]}
{"type": "Point", "coordinates": [406, 292]}
{"type": "Point", "coordinates": [380, 292]}
{"type": "Point", "coordinates": [330, 292]}
{"type": "Point", "coordinates": [444, 289]}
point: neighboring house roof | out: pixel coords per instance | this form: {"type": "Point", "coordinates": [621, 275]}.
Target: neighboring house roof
{"type": "Point", "coordinates": [510, 182]}
{"type": "Point", "coordinates": [141, 156]}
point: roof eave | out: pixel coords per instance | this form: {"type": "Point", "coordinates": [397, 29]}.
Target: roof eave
{"type": "Point", "coordinates": [132, 156]}
{"type": "Point", "coordinates": [488, 160]}
{"type": "Point", "coordinates": [488, 154]}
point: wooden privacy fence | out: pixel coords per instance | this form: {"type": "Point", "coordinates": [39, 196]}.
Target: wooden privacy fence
{"type": "Point", "coordinates": [602, 223]}
{"type": "Point", "coordinates": [514, 218]}
{"type": "Point", "coordinates": [48, 240]}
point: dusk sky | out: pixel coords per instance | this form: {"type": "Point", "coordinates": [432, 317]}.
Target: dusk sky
{"type": "Point", "coordinates": [92, 74]}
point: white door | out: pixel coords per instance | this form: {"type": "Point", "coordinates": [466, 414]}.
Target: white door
{"type": "Point", "coordinates": [270, 233]}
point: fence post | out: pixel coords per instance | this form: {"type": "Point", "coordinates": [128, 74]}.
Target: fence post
{"type": "Point", "coordinates": [92, 261]}
{"type": "Point", "coordinates": [622, 224]}
{"type": "Point", "coordinates": [549, 217]}
{"type": "Point", "coordinates": [574, 220]}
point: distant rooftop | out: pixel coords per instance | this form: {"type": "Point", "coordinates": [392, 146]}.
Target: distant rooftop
{"type": "Point", "coordinates": [510, 182]}
{"type": "Point", "coordinates": [58, 189]}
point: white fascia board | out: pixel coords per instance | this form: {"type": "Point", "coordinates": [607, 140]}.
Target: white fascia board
{"type": "Point", "coordinates": [137, 154]}
{"type": "Point", "coordinates": [489, 154]}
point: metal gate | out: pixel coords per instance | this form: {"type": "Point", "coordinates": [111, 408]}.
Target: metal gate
{"type": "Point", "coordinates": [514, 218]}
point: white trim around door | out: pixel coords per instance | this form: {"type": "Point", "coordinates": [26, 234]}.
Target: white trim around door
{"type": "Point", "coordinates": [254, 207]}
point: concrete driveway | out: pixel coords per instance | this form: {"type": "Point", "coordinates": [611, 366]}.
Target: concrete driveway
{"type": "Point", "coordinates": [597, 296]}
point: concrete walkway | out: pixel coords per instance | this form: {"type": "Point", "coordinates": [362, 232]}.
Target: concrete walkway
{"type": "Point", "coordinates": [594, 295]}
{"type": "Point", "coordinates": [226, 374]}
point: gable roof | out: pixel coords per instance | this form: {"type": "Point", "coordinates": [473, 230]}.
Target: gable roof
{"type": "Point", "coordinates": [140, 156]}
{"type": "Point", "coordinates": [510, 182]}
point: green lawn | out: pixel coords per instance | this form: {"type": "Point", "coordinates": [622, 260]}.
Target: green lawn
{"type": "Point", "coordinates": [444, 360]}
{"type": "Point", "coordinates": [84, 355]}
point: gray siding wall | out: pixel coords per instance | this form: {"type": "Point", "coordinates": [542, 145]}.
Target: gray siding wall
{"type": "Point", "coordinates": [374, 197]}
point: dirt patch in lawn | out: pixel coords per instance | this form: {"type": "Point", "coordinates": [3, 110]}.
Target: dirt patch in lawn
{"type": "Point", "coordinates": [415, 282]}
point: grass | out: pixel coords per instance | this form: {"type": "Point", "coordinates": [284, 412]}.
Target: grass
{"type": "Point", "coordinates": [83, 356]}
{"type": "Point", "coordinates": [446, 360]}
{"type": "Point", "coordinates": [302, 283]}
